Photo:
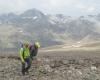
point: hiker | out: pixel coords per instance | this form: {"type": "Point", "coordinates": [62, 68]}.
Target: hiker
{"type": "Point", "coordinates": [25, 58]}
{"type": "Point", "coordinates": [34, 50]}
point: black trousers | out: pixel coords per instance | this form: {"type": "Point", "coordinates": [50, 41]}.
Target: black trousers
{"type": "Point", "coordinates": [24, 67]}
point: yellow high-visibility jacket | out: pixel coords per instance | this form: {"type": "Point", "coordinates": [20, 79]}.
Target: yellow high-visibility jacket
{"type": "Point", "coordinates": [24, 53]}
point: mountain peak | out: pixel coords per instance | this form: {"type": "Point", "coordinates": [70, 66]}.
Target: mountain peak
{"type": "Point", "coordinates": [31, 13]}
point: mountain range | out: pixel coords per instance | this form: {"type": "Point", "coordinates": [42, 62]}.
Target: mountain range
{"type": "Point", "coordinates": [34, 25]}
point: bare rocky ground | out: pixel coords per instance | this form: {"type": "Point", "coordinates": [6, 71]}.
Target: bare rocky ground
{"type": "Point", "coordinates": [69, 63]}
{"type": "Point", "coordinates": [51, 68]}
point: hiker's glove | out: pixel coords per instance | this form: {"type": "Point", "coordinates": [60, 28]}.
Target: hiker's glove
{"type": "Point", "coordinates": [23, 61]}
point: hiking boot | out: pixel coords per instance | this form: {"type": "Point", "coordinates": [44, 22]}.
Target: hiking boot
{"type": "Point", "coordinates": [23, 73]}
{"type": "Point", "coordinates": [27, 72]}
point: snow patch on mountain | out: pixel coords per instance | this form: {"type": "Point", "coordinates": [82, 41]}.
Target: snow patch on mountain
{"type": "Point", "coordinates": [35, 17]}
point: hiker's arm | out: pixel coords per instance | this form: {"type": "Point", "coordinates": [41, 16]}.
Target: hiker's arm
{"type": "Point", "coordinates": [21, 55]}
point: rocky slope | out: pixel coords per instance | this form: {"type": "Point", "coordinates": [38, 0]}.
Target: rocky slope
{"type": "Point", "coordinates": [56, 63]}
{"type": "Point", "coordinates": [48, 68]}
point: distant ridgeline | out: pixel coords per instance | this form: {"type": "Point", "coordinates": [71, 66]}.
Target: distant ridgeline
{"type": "Point", "coordinates": [33, 25]}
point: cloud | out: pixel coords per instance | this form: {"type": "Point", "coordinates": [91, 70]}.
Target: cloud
{"type": "Point", "coordinates": [91, 9]}
{"type": "Point", "coordinates": [86, 7]}
{"type": "Point", "coordinates": [14, 5]}
{"type": "Point", "coordinates": [51, 6]}
{"type": "Point", "coordinates": [58, 3]}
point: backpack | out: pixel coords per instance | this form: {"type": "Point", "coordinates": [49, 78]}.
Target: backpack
{"type": "Point", "coordinates": [33, 51]}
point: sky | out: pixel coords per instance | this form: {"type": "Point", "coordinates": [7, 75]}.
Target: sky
{"type": "Point", "coordinates": [67, 7]}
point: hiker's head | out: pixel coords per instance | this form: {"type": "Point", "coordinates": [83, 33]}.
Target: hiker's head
{"type": "Point", "coordinates": [37, 44]}
{"type": "Point", "coordinates": [26, 44]}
